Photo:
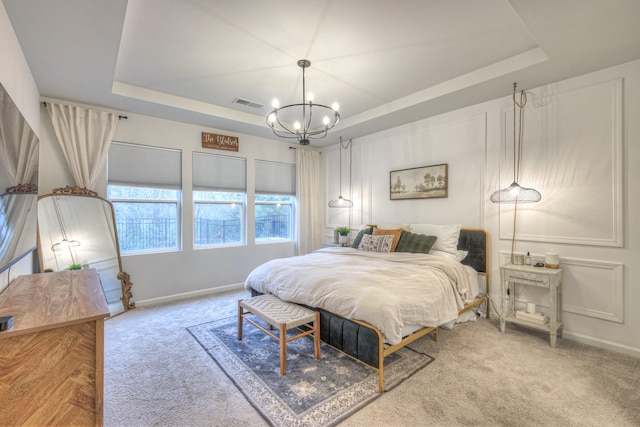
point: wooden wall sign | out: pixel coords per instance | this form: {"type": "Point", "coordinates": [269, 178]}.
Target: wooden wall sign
{"type": "Point", "coordinates": [220, 142]}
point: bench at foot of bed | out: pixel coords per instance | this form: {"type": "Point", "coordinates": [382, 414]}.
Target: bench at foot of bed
{"type": "Point", "coordinates": [283, 316]}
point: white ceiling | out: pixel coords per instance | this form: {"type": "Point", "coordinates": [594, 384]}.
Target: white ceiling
{"type": "Point", "coordinates": [386, 62]}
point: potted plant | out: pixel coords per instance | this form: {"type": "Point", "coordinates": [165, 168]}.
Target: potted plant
{"type": "Point", "coordinates": [344, 234]}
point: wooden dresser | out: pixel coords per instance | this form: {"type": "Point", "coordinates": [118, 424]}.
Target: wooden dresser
{"type": "Point", "coordinates": [52, 359]}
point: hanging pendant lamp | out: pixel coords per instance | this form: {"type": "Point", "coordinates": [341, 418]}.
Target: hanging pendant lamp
{"type": "Point", "coordinates": [341, 202]}
{"type": "Point", "coordinates": [515, 193]}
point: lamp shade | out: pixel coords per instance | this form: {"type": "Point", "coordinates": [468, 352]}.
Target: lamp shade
{"type": "Point", "coordinates": [340, 202]}
{"type": "Point", "coordinates": [516, 194]}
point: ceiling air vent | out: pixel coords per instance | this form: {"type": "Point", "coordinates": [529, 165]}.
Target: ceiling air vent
{"type": "Point", "coordinates": [247, 103]}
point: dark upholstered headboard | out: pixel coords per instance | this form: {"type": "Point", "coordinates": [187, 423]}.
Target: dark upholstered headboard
{"type": "Point", "coordinates": [474, 240]}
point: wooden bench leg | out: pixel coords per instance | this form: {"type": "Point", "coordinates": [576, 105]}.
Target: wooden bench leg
{"type": "Point", "coordinates": [283, 349]}
{"type": "Point", "coordinates": [316, 335]}
{"type": "Point", "coordinates": [239, 321]}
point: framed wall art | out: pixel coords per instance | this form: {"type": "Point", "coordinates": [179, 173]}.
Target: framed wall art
{"type": "Point", "coordinates": [426, 182]}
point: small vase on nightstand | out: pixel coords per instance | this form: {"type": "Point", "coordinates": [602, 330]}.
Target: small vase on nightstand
{"type": "Point", "coordinates": [344, 240]}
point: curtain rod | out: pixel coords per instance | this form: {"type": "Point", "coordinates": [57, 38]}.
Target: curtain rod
{"type": "Point", "coordinates": [120, 117]}
{"type": "Point", "coordinates": [295, 148]}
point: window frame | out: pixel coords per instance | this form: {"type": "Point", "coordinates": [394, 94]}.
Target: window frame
{"type": "Point", "coordinates": [178, 206]}
{"type": "Point", "coordinates": [243, 218]}
{"type": "Point", "coordinates": [292, 220]}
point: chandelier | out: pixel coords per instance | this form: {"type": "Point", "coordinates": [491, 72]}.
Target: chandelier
{"type": "Point", "coordinates": [310, 121]}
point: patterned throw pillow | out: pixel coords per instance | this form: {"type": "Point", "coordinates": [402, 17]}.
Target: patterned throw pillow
{"type": "Point", "coordinates": [371, 243]}
{"type": "Point", "coordinates": [356, 241]}
{"type": "Point", "coordinates": [395, 233]}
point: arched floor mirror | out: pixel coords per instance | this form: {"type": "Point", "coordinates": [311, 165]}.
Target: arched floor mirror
{"type": "Point", "coordinates": [77, 229]}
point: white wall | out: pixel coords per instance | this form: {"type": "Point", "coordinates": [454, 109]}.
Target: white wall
{"type": "Point", "coordinates": [17, 79]}
{"type": "Point", "coordinates": [189, 272]}
{"type": "Point", "coordinates": [581, 151]}
{"type": "Point", "coordinates": [15, 74]}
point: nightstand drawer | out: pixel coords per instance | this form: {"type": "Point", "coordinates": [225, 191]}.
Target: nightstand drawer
{"type": "Point", "coordinates": [525, 278]}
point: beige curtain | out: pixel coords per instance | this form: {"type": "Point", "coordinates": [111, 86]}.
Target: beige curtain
{"type": "Point", "coordinates": [18, 143]}
{"type": "Point", "coordinates": [84, 136]}
{"type": "Point", "coordinates": [310, 200]}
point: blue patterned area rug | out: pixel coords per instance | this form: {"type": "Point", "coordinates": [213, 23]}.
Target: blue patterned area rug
{"type": "Point", "coordinates": [314, 392]}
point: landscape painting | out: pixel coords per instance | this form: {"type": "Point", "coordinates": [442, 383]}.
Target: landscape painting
{"type": "Point", "coordinates": [425, 182]}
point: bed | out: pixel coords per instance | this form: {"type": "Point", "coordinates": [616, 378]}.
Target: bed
{"type": "Point", "coordinates": [358, 292]}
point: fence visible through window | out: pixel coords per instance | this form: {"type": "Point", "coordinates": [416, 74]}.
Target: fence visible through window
{"type": "Point", "coordinates": [160, 233]}
{"type": "Point", "coordinates": [137, 234]}
{"type": "Point", "coordinates": [273, 227]}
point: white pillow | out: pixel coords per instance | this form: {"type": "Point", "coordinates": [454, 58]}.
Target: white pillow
{"type": "Point", "coordinates": [447, 235]}
{"type": "Point", "coordinates": [380, 243]}
{"type": "Point", "coordinates": [391, 226]}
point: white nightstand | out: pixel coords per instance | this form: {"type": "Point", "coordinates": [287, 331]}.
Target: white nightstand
{"type": "Point", "coordinates": [550, 278]}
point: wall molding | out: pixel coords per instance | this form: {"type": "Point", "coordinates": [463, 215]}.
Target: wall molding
{"type": "Point", "coordinates": [600, 343]}
{"type": "Point", "coordinates": [615, 271]}
{"type": "Point", "coordinates": [185, 295]}
{"type": "Point", "coordinates": [608, 202]}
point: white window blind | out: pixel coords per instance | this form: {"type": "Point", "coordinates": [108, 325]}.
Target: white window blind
{"type": "Point", "coordinates": [275, 178]}
{"type": "Point", "coordinates": [143, 166]}
{"type": "Point", "coordinates": [219, 173]}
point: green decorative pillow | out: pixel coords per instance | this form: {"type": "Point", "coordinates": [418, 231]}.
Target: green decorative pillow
{"type": "Point", "coordinates": [356, 241]}
{"type": "Point", "coordinates": [415, 243]}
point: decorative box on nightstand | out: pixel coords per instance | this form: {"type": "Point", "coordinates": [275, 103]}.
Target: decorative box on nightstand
{"type": "Point", "coordinates": [526, 275]}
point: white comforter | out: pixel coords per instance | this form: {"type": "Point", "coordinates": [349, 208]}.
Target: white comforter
{"type": "Point", "coordinates": [388, 290]}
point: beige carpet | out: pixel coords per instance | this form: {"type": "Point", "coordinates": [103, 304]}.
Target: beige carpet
{"type": "Point", "coordinates": [156, 374]}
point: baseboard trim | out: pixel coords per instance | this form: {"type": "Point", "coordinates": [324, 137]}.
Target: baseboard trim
{"type": "Point", "coordinates": [607, 345]}
{"type": "Point", "coordinates": [185, 295]}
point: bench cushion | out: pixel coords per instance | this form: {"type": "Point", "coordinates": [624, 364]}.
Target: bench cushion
{"type": "Point", "coordinates": [276, 312]}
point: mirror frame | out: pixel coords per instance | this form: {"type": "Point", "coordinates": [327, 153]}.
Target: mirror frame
{"type": "Point", "coordinates": [125, 279]}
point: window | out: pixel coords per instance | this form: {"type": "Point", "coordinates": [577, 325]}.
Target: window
{"type": "Point", "coordinates": [274, 215]}
{"type": "Point", "coordinates": [219, 200]}
{"type": "Point", "coordinates": [146, 218]}
{"type": "Point", "coordinates": [218, 218]}
{"type": "Point", "coordinates": [274, 201]}
{"type": "Point", "coordinates": [144, 187]}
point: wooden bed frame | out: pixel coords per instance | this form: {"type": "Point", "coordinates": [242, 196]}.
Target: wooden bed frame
{"type": "Point", "coordinates": [364, 342]}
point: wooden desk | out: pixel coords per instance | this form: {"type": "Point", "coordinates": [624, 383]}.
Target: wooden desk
{"type": "Point", "coordinates": [52, 359]}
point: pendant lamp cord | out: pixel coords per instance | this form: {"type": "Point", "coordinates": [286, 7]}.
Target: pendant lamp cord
{"type": "Point", "coordinates": [517, 156]}
{"type": "Point", "coordinates": [345, 146]}
{"type": "Point", "coordinates": [517, 153]}
{"type": "Point", "coordinates": [340, 152]}
{"type": "Point", "coordinates": [63, 231]}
